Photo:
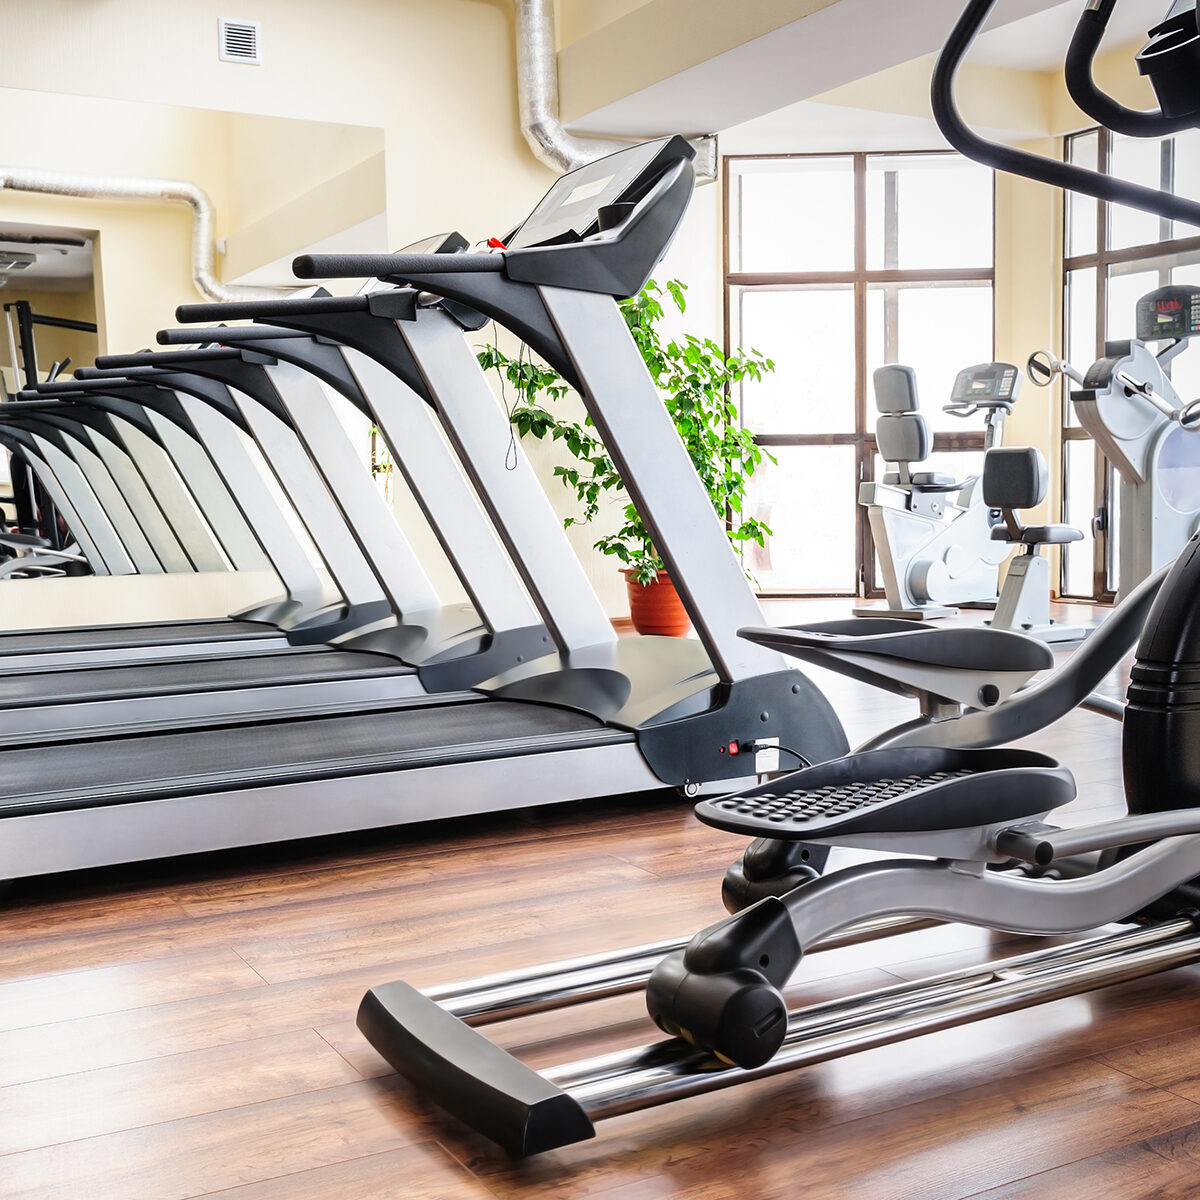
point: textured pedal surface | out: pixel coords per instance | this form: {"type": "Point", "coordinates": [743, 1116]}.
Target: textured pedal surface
{"type": "Point", "coordinates": [834, 801]}
{"type": "Point", "coordinates": [896, 791]}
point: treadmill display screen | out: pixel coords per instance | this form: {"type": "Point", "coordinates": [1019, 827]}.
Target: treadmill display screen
{"type": "Point", "coordinates": [585, 191]}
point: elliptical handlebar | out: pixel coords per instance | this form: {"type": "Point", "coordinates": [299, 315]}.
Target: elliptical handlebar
{"type": "Point", "coordinates": [1042, 366]}
{"type": "Point", "coordinates": [1019, 162]}
{"type": "Point", "coordinates": [968, 408]}
{"type": "Point", "coordinates": [1147, 393]}
{"type": "Point", "coordinates": [1099, 105]}
{"type": "Point", "coordinates": [1189, 417]}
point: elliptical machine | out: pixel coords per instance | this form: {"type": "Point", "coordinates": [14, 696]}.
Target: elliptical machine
{"type": "Point", "coordinates": [918, 790]}
{"type": "Point", "coordinates": [934, 551]}
{"type": "Point", "coordinates": [1129, 406]}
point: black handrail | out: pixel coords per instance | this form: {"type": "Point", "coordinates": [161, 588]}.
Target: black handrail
{"type": "Point", "coordinates": [1019, 162]}
{"type": "Point", "coordinates": [1097, 104]}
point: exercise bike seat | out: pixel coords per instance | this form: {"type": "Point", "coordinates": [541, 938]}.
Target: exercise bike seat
{"type": "Point", "coordinates": [899, 791]}
{"type": "Point", "coordinates": [936, 481]}
{"type": "Point", "coordinates": [1038, 535]}
{"type": "Point", "coordinates": [975, 667]}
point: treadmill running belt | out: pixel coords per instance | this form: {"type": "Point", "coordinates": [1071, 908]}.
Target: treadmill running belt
{"type": "Point", "coordinates": [154, 766]}
{"type": "Point", "coordinates": [196, 675]}
{"type": "Point", "coordinates": [106, 637]}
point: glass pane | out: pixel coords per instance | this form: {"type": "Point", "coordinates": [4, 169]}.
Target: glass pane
{"type": "Point", "coordinates": [1139, 161]}
{"type": "Point", "coordinates": [1084, 151]}
{"type": "Point", "coordinates": [792, 214]}
{"type": "Point", "coordinates": [809, 333]}
{"type": "Point", "coordinates": [1078, 507]}
{"type": "Point", "coordinates": [1187, 176]}
{"type": "Point", "coordinates": [935, 330]}
{"type": "Point", "coordinates": [1125, 289]}
{"type": "Point", "coordinates": [1081, 345]}
{"type": "Point", "coordinates": [809, 501]}
{"type": "Point", "coordinates": [927, 211]}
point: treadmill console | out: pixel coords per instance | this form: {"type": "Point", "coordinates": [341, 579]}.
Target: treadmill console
{"type": "Point", "coordinates": [987, 383]}
{"type": "Point", "coordinates": [1169, 312]}
{"type": "Point", "coordinates": [573, 208]}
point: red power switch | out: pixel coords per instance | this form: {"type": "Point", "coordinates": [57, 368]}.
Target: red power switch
{"type": "Point", "coordinates": [734, 748]}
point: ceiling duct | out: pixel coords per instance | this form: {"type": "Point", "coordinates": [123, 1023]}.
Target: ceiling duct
{"type": "Point", "coordinates": [113, 187]}
{"type": "Point", "coordinates": [537, 101]}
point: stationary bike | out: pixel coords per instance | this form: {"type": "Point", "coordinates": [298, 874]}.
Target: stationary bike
{"type": "Point", "coordinates": [933, 534]}
{"type": "Point", "coordinates": [1129, 406]}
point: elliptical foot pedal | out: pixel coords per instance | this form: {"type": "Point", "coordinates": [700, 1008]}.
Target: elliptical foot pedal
{"type": "Point", "coordinates": [907, 790]}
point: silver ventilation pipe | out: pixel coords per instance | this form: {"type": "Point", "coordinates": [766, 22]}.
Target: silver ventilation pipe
{"type": "Point", "coordinates": [113, 187]}
{"type": "Point", "coordinates": [537, 101]}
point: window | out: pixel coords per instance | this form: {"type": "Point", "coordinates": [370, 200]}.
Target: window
{"type": "Point", "coordinates": [834, 265]}
{"type": "Point", "coordinates": [1114, 255]}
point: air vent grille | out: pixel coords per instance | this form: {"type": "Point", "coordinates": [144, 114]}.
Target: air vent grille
{"type": "Point", "coordinates": [239, 41]}
{"type": "Point", "coordinates": [14, 260]}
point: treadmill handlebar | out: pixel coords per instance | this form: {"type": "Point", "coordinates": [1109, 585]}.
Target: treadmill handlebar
{"type": "Point", "coordinates": [387, 266]}
{"type": "Point", "coordinates": [86, 379]}
{"type": "Point", "coordinates": [196, 314]}
{"type": "Point", "coordinates": [225, 335]}
{"type": "Point", "coordinates": [151, 358]}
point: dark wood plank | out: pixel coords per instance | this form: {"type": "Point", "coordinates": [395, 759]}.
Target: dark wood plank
{"type": "Point", "coordinates": [74, 994]}
{"type": "Point", "coordinates": [414, 1171]}
{"type": "Point", "coordinates": [1166, 1167]}
{"type": "Point", "coordinates": [93, 1103]}
{"type": "Point", "coordinates": [174, 1160]}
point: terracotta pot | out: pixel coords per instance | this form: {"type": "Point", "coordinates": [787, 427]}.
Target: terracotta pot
{"type": "Point", "coordinates": [656, 607]}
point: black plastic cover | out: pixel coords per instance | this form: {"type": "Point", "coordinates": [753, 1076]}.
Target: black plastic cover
{"type": "Point", "coordinates": [962, 648]}
{"type": "Point", "coordinates": [1161, 732]}
{"type": "Point", "coordinates": [469, 1076]}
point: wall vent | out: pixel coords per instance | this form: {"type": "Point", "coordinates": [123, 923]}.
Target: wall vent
{"type": "Point", "coordinates": [14, 260]}
{"type": "Point", "coordinates": [239, 41]}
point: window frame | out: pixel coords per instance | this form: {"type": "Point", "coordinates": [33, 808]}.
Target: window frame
{"type": "Point", "coordinates": [862, 279]}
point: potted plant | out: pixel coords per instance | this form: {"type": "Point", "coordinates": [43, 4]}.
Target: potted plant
{"type": "Point", "coordinates": [695, 378]}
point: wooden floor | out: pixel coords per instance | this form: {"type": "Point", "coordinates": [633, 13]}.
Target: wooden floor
{"type": "Point", "coordinates": [187, 1029]}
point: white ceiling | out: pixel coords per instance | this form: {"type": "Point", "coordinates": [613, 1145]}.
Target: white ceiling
{"type": "Point", "coordinates": [836, 45]}
{"type": "Point", "coordinates": [1036, 42]}
{"type": "Point", "coordinates": [59, 268]}
{"type": "Point", "coordinates": [744, 93]}
{"type": "Point", "coordinates": [1039, 42]}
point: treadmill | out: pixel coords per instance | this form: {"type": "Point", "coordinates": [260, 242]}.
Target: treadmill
{"type": "Point", "coordinates": [369, 668]}
{"type": "Point", "coordinates": [537, 737]}
{"type": "Point", "coordinates": [109, 554]}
